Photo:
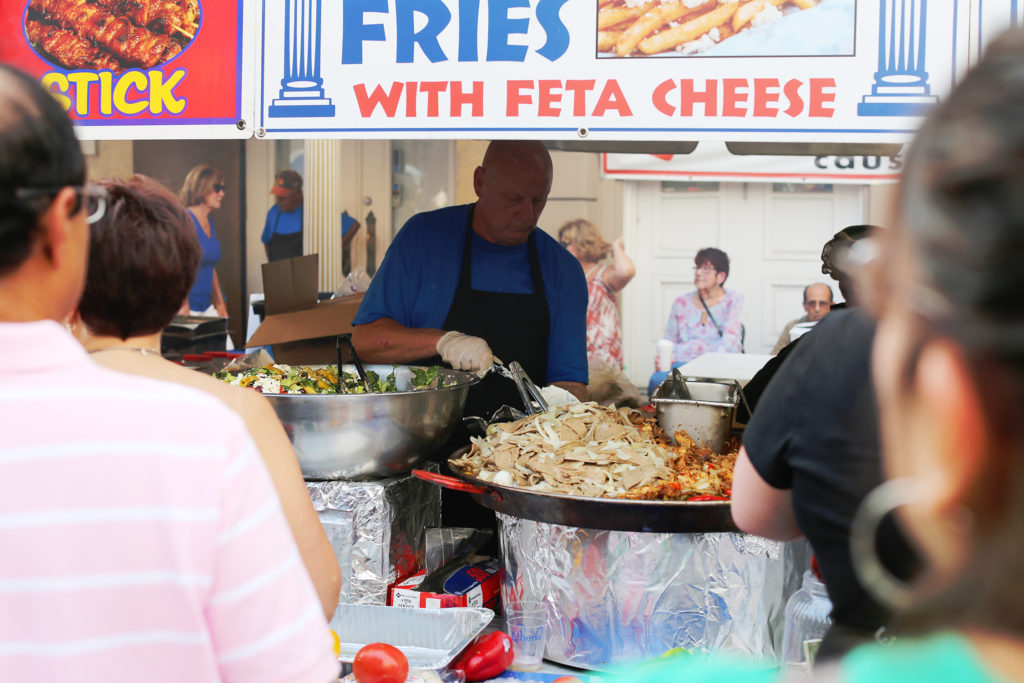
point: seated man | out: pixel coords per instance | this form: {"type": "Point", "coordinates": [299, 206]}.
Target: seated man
{"type": "Point", "coordinates": [141, 533]}
{"type": "Point", "coordinates": [817, 303]}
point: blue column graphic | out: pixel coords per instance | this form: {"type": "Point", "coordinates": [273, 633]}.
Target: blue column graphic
{"type": "Point", "coordinates": [302, 92]}
{"type": "Point", "coordinates": [901, 83]}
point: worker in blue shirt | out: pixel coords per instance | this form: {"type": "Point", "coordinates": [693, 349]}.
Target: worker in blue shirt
{"type": "Point", "coordinates": [282, 233]}
{"type": "Point", "coordinates": [474, 282]}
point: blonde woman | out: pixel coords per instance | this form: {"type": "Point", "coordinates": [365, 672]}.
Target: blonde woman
{"type": "Point", "coordinates": [203, 192]}
{"type": "Point", "coordinates": [604, 279]}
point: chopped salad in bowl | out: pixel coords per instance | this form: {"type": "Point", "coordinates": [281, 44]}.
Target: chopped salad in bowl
{"type": "Point", "coordinates": [293, 379]}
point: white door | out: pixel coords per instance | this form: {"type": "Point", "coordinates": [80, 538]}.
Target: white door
{"type": "Point", "coordinates": [773, 234]}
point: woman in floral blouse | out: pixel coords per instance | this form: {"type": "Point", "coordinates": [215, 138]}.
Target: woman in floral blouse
{"type": "Point", "coordinates": [604, 333]}
{"type": "Point", "coordinates": [706, 320]}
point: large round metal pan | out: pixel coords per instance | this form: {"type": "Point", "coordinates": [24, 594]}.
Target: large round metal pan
{"type": "Point", "coordinates": [611, 514]}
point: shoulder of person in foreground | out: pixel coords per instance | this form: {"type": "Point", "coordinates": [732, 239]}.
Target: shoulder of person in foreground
{"type": "Point", "coordinates": [697, 667]}
{"type": "Point", "coordinates": [264, 615]}
{"type": "Point", "coordinates": [279, 458]}
{"type": "Point", "coordinates": [264, 618]}
{"type": "Point", "coordinates": [944, 656]}
{"type": "Point", "coordinates": [804, 373]}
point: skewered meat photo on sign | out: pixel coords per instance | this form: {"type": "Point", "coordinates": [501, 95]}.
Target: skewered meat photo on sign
{"type": "Point", "coordinates": [110, 34]}
{"type": "Point", "coordinates": [134, 68]}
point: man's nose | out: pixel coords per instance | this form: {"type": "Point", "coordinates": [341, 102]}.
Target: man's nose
{"type": "Point", "coordinates": [526, 211]}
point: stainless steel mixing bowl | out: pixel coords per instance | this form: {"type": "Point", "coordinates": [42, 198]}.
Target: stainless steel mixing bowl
{"type": "Point", "coordinates": [368, 436]}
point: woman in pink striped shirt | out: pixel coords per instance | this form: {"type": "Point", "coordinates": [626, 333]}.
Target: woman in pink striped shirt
{"type": "Point", "coordinates": [142, 257]}
{"type": "Point", "coordinates": [133, 549]}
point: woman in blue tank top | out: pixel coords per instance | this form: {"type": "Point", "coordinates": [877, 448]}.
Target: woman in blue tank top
{"type": "Point", "coordinates": [202, 193]}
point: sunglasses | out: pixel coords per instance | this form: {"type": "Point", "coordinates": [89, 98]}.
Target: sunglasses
{"type": "Point", "coordinates": [92, 197]}
{"type": "Point", "coordinates": [219, 187]}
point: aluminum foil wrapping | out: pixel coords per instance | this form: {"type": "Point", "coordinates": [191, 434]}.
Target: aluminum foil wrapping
{"type": "Point", "coordinates": [376, 530]}
{"type": "Point", "coordinates": [616, 596]}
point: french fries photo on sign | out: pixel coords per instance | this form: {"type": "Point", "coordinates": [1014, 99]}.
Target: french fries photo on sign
{"type": "Point", "coordinates": [723, 28]}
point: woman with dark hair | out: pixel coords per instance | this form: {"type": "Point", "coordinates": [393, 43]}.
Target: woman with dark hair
{"type": "Point", "coordinates": [203, 192]}
{"type": "Point", "coordinates": [141, 536]}
{"type": "Point", "coordinates": [143, 255]}
{"type": "Point", "coordinates": [948, 368]}
{"type": "Point", "coordinates": [705, 320]}
{"type": "Point", "coordinates": [604, 333]}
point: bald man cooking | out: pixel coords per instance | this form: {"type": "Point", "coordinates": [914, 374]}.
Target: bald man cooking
{"type": "Point", "coordinates": [473, 282]}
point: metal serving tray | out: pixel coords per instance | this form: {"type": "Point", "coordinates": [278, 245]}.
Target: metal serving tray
{"type": "Point", "coordinates": [706, 416]}
{"type": "Point", "coordinates": [429, 638]}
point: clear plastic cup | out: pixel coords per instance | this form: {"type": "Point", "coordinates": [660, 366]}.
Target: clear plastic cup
{"type": "Point", "coordinates": [526, 623]}
{"type": "Point", "coordinates": [664, 351]}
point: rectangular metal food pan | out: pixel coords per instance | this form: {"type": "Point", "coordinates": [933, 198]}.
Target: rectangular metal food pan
{"type": "Point", "coordinates": [706, 416]}
{"type": "Point", "coordinates": [429, 638]}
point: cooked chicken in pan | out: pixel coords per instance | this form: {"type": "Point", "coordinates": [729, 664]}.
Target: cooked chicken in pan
{"type": "Point", "coordinates": [590, 450]}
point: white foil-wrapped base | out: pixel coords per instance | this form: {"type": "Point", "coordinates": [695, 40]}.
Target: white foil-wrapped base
{"type": "Point", "coordinates": [614, 596]}
{"type": "Point", "coordinates": [376, 530]}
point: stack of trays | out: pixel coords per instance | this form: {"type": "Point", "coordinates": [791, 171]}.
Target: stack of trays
{"type": "Point", "coordinates": [429, 638]}
{"type": "Point", "coordinates": [194, 334]}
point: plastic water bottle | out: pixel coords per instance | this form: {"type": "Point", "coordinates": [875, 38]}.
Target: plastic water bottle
{"type": "Point", "coordinates": [807, 620]}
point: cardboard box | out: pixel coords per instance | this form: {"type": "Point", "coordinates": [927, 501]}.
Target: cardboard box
{"type": "Point", "coordinates": [474, 585]}
{"type": "Point", "coordinates": [296, 327]}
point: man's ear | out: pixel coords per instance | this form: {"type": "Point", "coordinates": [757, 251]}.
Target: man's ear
{"type": "Point", "coordinates": [56, 226]}
{"type": "Point", "coordinates": [958, 450]}
{"type": "Point", "coordinates": [478, 180]}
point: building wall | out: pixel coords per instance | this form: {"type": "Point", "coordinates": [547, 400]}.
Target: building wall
{"type": "Point", "coordinates": [108, 158]}
{"type": "Point", "coordinates": [882, 203]}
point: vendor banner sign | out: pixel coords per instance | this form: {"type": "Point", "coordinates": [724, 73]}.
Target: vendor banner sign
{"type": "Point", "coordinates": [743, 70]}
{"type": "Point", "coordinates": [989, 18]}
{"type": "Point", "coordinates": [713, 162]}
{"type": "Point", "coordinates": [138, 68]}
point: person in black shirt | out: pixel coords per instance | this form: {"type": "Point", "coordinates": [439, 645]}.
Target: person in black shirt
{"type": "Point", "coordinates": [810, 455]}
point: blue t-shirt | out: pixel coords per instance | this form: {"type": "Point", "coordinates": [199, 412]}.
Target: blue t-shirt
{"type": "Point", "coordinates": [415, 285]}
{"type": "Point", "coordinates": [199, 297]}
{"type": "Point", "coordinates": [287, 222]}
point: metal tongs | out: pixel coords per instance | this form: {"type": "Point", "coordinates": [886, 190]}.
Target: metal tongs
{"type": "Point", "coordinates": [674, 387]}
{"type": "Point", "coordinates": [347, 339]}
{"type": "Point", "coordinates": [528, 391]}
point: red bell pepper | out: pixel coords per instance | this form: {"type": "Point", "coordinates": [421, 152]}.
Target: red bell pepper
{"type": "Point", "coordinates": [706, 498]}
{"type": "Point", "coordinates": [486, 657]}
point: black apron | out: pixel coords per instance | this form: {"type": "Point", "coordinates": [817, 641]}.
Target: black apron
{"type": "Point", "coordinates": [516, 327]}
{"type": "Point", "coordinates": [284, 246]}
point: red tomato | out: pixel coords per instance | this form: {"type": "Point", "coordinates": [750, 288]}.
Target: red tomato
{"type": "Point", "coordinates": [380, 663]}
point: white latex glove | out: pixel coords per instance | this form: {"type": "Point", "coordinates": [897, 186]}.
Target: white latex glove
{"type": "Point", "coordinates": [465, 352]}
